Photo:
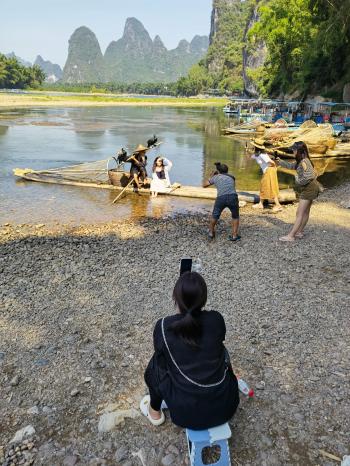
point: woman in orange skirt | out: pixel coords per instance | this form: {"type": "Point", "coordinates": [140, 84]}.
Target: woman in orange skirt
{"type": "Point", "coordinates": [269, 189]}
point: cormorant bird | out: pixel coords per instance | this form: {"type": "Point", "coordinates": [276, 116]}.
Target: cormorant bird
{"type": "Point", "coordinates": [152, 142]}
{"type": "Point", "coordinates": [122, 156]}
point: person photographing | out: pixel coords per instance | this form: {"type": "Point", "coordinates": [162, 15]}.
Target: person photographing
{"type": "Point", "coordinates": [226, 198]}
{"type": "Point", "coordinates": [190, 369]}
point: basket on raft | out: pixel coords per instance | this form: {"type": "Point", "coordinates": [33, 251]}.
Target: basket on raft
{"type": "Point", "coordinates": [116, 176]}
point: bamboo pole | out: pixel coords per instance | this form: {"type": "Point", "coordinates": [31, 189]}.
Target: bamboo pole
{"type": "Point", "coordinates": [123, 191]}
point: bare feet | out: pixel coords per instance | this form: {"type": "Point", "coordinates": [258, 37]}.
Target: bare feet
{"type": "Point", "coordinates": [277, 208]}
{"type": "Point", "coordinates": [287, 239]}
{"type": "Point", "coordinates": [258, 206]}
{"type": "Point", "coordinates": [299, 235]}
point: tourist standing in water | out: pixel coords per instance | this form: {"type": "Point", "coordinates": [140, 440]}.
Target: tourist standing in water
{"type": "Point", "coordinates": [226, 197]}
{"type": "Point", "coordinates": [269, 188]}
{"type": "Point", "coordinates": [306, 185]}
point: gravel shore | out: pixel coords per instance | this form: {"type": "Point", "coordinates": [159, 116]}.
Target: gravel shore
{"type": "Point", "coordinates": [78, 306]}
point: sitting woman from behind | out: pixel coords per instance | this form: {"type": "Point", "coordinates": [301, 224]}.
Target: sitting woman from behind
{"type": "Point", "coordinates": [190, 369]}
{"type": "Point", "coordinates": [160, 177]}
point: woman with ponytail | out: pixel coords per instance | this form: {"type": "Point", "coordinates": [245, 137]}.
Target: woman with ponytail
{"type": "Point", "coordinates": [190, 370]}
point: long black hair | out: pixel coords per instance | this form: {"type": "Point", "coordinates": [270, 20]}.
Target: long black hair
{"type": "Point", "coordinates": [155, 163]}
{"type": "Point", "coordinates": [302, 152]}
{"type": "Point", "coordinates": [190, 296]}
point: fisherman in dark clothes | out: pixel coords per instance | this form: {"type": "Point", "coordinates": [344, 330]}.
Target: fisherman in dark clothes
{"type": "Point", "coordinates": [138, 165]}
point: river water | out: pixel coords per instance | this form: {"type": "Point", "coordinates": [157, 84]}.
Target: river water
{"type": "Point", "coordinates": [41, 138]}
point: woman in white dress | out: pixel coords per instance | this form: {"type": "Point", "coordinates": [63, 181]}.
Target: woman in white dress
{"type": "Point", "coordinates": [160, 177]}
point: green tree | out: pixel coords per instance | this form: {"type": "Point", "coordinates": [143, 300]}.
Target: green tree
{"type": "Point", "coordinates": [13, 75]}
{"type": "Point", "coordinates": [287, 30]}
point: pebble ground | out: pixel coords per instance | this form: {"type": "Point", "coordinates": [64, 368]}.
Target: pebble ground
{"type": "Point", "coordinates": [78, 306]}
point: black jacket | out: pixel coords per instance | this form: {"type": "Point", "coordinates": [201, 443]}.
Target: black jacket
{"type": "Point", "coordinates": [191, 405]}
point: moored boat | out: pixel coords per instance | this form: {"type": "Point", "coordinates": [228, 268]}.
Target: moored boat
{"type": "Point", "coordinates": [231, 109]}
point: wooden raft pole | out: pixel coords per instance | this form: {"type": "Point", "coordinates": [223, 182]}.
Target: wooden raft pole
{"type": "Point", "coordinates": [123, 191]}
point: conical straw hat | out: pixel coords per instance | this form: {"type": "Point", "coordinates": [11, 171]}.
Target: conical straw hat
{"type": "Point", "coordinates": [140, 148]}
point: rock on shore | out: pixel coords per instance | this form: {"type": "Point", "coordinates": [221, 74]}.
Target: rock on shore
{"type": "Point", "coordinates": [78, 307]}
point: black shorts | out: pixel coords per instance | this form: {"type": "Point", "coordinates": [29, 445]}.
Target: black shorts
{"type": "Point", "coordinates": [228, 200]}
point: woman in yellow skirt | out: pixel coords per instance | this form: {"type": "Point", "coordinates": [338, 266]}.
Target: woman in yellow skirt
{"type": "Point", "coordinates": [269, 189]}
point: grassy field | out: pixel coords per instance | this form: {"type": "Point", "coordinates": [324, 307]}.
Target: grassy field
{"type": "Point", "coordinates": [74, 100]}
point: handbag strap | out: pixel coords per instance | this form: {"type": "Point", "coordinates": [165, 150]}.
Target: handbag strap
{"type": "Point", "coordinates": [184, 375]}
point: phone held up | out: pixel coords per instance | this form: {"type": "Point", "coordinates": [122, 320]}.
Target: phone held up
{"type": "Point", "coordinates": [185, 265]}
{"type": "Point", "coordinates": [189, 265]}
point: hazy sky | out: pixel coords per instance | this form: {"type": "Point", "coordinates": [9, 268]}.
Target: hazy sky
{"type": "Point", "coordinates": [44, 26]}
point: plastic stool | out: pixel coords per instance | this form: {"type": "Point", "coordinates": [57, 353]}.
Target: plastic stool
{"type": "Point", "coordinates": [199, 439]}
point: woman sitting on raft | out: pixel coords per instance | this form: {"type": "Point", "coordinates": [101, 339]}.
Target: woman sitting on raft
{"type": "Point", "coordinates": [190, 369]}
{"type": "Point", "coordinates": [160, 177]}
{"type": "Point", "coordinates": [269, 188]}
{"type": "Point", "coordinates": [306, 185]}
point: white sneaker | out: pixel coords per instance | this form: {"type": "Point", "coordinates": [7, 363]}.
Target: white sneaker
{"type": "Point", "coordinates": [144, 408]}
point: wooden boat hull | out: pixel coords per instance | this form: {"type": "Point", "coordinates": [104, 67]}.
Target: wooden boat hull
{"type": "Point", "coordinates": [239, 131]}
{"type": "Point", "coordinates": [193, 192]}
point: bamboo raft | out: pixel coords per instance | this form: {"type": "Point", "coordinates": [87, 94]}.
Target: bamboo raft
{"type": "Point", "coordinates": [118, 181]}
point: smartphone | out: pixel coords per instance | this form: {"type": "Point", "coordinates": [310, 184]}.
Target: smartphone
{"type": "Point", "coordinates": [185, 265]}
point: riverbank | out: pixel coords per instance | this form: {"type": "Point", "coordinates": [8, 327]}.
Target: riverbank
{"type": "Point", "coordinates": [42, 99]}
{"type": "Point", "coordinates": [76, 336]}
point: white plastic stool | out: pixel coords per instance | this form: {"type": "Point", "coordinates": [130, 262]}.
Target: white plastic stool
{"type": "Point", "coordinates": [216, 436]}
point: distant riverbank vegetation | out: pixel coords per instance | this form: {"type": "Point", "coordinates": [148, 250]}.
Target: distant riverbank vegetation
{"type": "Point", "coordinates": [192, 85]}
{"type": "Point", "coordinates": [114, 88]}
{"type": "Point", "coordinates": [13, 75]}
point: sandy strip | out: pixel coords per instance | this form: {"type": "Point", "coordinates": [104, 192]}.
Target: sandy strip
{"type": "Point", "coordinates": [25, 100]}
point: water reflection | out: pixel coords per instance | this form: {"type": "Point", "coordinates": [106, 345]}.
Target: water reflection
{"type": "Point", "coordinates": [191, 139]}
{"type": "Point", "coordinates": [3, 130]}
{"type": "Point", "coordinates": [91, 140]}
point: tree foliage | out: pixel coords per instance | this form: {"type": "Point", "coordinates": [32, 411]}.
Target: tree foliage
{"type": "Point", "coordinates": [113, 87]}
{"type": "Point", "coordinates": [224, 60]}
{"type": "Point", "coordinates": [13, 75]}
{"type": "Point", "coordinates": [308, 44]}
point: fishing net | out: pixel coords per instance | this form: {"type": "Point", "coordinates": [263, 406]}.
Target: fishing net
{"type": "Point", "coordinates": [89, 172]}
